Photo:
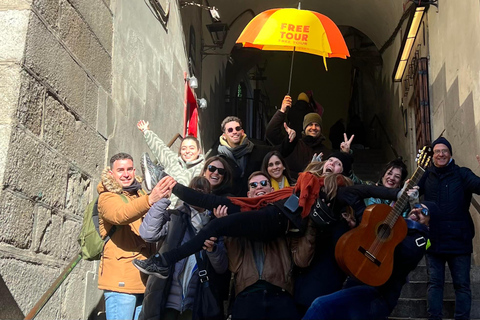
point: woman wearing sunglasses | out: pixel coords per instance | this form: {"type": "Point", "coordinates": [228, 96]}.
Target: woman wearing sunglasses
{"type": "Point", "coordinates": [218, 173]}
{"type": "Point", "coordinates": [276, 168]}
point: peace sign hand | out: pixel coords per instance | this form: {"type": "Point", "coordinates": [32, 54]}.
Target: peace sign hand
{"type": "Point", "coordinates": [345, 145]}
{"type": "Point", "coordinates": [291, 133]}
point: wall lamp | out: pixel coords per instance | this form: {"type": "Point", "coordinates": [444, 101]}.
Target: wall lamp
{"type": "Point", "coordinates": [213, 10]}
{"type": "Point", "coordinates": [202, 103]}
{"type": "Point", "coordinates": [407, 44]}
{"type": "Point", "coordinates": [193, 82]}
{"type": "Point", "coordinates": [218, 32]}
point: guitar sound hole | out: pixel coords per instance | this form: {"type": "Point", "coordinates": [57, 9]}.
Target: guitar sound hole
{"type": "Point", "coordinates": [383, 231]}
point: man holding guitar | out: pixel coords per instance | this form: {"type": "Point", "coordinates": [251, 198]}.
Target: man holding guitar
{"type": "Point", "coordinates": [360, 301]}
{"type": "Point", "coordinates": [451, 230]}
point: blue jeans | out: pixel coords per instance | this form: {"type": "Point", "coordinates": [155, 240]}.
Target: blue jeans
{"type": "Point", "coordinates": [122, 306]}
{"type": "Point", "coordinates": [460, 270]}
{"type": "Point", "coordinates": [359, 302]}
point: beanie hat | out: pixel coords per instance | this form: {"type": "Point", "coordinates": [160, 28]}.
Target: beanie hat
{"type": "Point", "coordinates": [346, 160]}
{"type": "Point", "coordinates": [303, 96]}
{"type": "Point", "coordinates": [444, 141]}
{"type": "Point", "coordinates": [310, 118]}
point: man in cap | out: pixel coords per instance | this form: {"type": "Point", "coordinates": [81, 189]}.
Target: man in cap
{"type": "Point", "coordinates": [451, 228]}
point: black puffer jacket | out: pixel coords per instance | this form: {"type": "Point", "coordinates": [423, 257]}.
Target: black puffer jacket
{"type": "Point", "coordinates": [304, 149]}
{"type": "Point", "coordinates": [451, 188]}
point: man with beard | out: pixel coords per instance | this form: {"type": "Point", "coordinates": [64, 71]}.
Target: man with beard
{"type": "Point", "coordinates": [244, 156]}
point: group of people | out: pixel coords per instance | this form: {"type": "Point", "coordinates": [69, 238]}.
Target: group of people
{"type": "Point", "coordinates": [270, 216]}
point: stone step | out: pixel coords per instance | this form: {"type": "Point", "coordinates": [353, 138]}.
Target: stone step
{"type": "Point", "coordinates": [417, 308]}
{"type": "Point", "coordinates": [418, 290]}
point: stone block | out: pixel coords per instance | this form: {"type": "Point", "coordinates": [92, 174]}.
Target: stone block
{"type": "Point", "coordinates": [82, 42]}
{"type": "Point", "coordinates": [99, 17]}
{"type": "Point", "coordinates": [14, 24]}
{"type": "Point", "coordinates": [9, 308]}
{"type": "Point", "coordinates": [48, 232]}
{"type": "Point", "coordinates": [69, 246]}
{"type": "Point", "coordinates": [16, 220]}
{"type": "Point", "coordinates": [5, 131]}
{"type": "Point", "coordinates": [78, 142]}
{"type": "Point", "coordinates": [80, 192]}
{"type": "Point", "coordinates": [56, 234]}
{"type": "Point", "coordinates": [10, 82]}
{"type": "Point", "coordinates": [72, 290]}
{"type": "Point", "coordinates": [27, 282]}
{"type": "Point", "coordinates": [49, 59]}
{"type": "Point", "coordinates": [34, 170]}
{"type": "Point", "coordinates": [91, 102]}
{"type": "Point", "coordinates": [30, 105]}
{"type": "Point", "coordinates": [49, 9]}
{"type": "Point", "coordinates": [102, 112]}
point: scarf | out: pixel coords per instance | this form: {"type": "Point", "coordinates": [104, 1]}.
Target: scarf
{"type": "Point", "coordinates": [133, 188]}
{"type": "Point", "coordinates": [308, 186]}
{"type": "Point", "coordinates": [276, 185]}
{"type": "Point", "coordinates": [237, 153]}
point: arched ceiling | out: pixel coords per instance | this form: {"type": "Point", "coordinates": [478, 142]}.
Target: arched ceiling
{"type": "Point", "coordinates": [375, 18]}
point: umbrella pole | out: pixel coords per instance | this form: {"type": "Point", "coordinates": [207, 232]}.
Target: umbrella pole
{"type": "Point", "coordinates": [291, 70]}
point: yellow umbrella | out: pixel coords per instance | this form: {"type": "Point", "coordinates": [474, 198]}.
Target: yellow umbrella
{"type": "Point", "coordinates": [295, 30]}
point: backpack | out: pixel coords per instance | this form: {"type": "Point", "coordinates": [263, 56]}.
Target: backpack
{"type": "Point", "coordinates": [91, 243]}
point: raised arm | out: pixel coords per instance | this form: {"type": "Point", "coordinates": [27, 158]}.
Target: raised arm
{"type": "Point", "coordinates": [202, 200]}
{"type": "Point", "coordinates": [165, 156]}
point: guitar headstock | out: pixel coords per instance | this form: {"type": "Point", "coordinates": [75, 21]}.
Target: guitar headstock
{"type": "Point", "coordinates": [424, 156]}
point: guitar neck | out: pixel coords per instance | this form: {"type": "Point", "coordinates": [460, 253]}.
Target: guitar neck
{"type": "Point", "coordinates": [402, 201]}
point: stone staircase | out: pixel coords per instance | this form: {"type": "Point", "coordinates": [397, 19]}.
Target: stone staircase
{"type": "Point", "coordinates": [413, 303]}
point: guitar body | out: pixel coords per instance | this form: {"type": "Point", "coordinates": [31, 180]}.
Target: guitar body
{"type": "Point", "coordinates": [366, 252]}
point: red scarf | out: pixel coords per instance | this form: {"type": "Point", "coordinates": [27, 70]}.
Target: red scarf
{"type": "Point", "coordinates": [307, 185]}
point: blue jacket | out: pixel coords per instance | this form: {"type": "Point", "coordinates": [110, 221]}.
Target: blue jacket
{"type": "Point", "coordinates": [451, 188]}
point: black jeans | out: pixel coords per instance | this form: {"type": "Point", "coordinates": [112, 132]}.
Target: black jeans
{"type": "Point", "coordinates": [264, 305]}
{"type": "Point", "coordinates": [265, 224]}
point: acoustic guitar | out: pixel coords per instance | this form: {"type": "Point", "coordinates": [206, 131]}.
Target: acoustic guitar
{"type": "Point", "coordinates": [366, 252]}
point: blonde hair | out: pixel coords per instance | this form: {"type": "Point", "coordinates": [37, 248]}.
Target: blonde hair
{"type": "Point", "coordinates": [330, 180]}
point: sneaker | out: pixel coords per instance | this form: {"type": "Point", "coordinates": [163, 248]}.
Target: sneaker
{"type": "Point", "coordinates": [152, 266]}
{"type": "Point", "coordinates": [151, 172]}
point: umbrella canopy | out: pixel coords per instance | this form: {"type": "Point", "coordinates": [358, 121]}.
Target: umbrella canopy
{"type": "Point", "coordinates": [294, 29]}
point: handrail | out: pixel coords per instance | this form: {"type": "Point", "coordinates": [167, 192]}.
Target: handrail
{"type": "Point", "coordinates": [175, 137]}
{"type": "Point", "coordinates": [385, 132]}
{"type": "Point", "coordinates": [475, 204]}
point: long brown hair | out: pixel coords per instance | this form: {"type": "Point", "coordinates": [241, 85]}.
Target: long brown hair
{"type": "Point", "coordinates": [227, 177]}
{"type": "Point", "coordinates": [331, 181]}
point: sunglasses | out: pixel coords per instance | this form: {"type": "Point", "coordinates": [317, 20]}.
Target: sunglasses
{"type": "Point", "coordinates": [237, 128]}
{"type": "Point", "coordinates": [424, 211]}
{"type": "Point", "coordinates": [212, 169]}
{"type": "Point", "coordinates": [254, 185]}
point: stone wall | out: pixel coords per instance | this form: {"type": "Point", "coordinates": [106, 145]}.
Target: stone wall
{"type": "Point", "coordinates": [54, 70]}
{"type": "Point", "coordinates": [75, 77]}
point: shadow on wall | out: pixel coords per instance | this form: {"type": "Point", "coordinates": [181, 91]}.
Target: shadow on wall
{"type": "Point", "coordinates": [9, 309]}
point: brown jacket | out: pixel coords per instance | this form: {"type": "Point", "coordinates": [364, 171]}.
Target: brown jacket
{"type": "Point", "coordinates": [116, 271]}
{"type": "Point", "coordinates": [280, 255]}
